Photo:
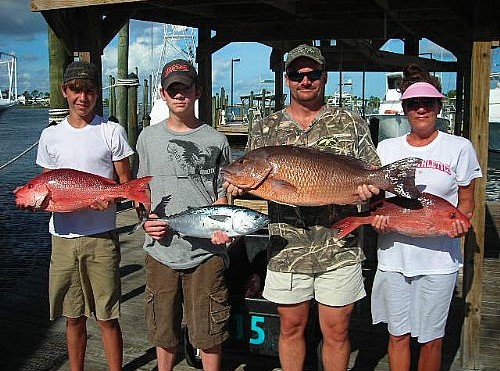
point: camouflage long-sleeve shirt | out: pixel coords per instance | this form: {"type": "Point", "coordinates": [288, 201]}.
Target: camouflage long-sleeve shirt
{"type": "Point", "coordinates": [301, 238]}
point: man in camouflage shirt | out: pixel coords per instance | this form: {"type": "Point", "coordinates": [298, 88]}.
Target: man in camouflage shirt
{"type": "Point", "coordinates": [308, 261]}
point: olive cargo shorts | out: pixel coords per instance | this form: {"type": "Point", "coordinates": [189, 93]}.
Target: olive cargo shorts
{"type": "Point", "coordinates": [203, 292]}
{"type": "Point", "coordinates": [84, 277]}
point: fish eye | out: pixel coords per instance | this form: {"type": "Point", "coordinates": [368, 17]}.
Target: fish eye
{"type": "Point", "coordinates": [30, 186]}
{"type": "Point", "coordinates": [453, 215]}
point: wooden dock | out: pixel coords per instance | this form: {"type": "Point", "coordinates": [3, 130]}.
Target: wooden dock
{"type": "Point", "coordinates": [29, 341]}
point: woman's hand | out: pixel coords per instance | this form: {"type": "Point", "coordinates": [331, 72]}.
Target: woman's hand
{"type": "Point", "coordinates": [380, 223]}
{"type": "Point", "coordinates": [459, 229]}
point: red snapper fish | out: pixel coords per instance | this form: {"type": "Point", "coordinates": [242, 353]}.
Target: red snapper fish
{"type": "Point", "coordinates": [427, 216]}
{"type": "Point", "coordinates": [66, 190]}
{"type": "Point", "coordinates": [301, 176]}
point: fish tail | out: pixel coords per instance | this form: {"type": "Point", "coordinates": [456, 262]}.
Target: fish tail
{"type": "Point", "coordinates": [349, 224]}
{"type": "Point", "coordinates": [400, 177]}
{"type": "Point", "coordinates": [137, 189]}
{"type": "Point", "coordinates": [142, 214]}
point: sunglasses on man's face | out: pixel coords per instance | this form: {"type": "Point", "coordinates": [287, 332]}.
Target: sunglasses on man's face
{"type": "Point", "coordinates": [297, 76]}
{"type": "Point", "coordinates": [414, 103]}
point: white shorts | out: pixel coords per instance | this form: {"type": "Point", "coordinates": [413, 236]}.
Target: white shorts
{"type": "Point", "coordinates": [335, 288]}
{"type": "Point", "coordinates": [413, 305]}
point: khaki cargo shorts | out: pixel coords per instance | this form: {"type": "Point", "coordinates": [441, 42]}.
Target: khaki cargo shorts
{"type": "Point", "coordinates": [84, 277]}
{"type": "Point", "coordinates": [203, 292]}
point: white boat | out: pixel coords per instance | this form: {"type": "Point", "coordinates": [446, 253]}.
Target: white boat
{"type": "Point", "coordinates": [8, 81]}
{"type": "Point", "coordinates": [178, 42]}
{"type": "Point", "coordinates": [390, 121]}
{"type": "Point", "coordinates": [494, 112]}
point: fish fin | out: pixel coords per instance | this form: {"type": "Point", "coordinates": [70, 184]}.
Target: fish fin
{"type": "Point", "coordinates": [136, 189]}
{"type": "Point", "coordinates": [401, 177]}
{"type": "Point", "coordinates": [282, 185]}
{"type": "Point", "coordinates": [142, 214]}
{"type": "Point", "coordinates": [346, 226]}
{"type": "Point", "coordinates": [220, 218]}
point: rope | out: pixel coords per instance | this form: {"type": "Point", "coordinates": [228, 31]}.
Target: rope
{"type": "Point", "coordinates": [123, 82]}
{"type": "Point", "coordinates": [19, 155]}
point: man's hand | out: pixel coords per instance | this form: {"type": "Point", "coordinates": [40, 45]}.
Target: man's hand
{"type": "Point", "coordinates": [232, 189]}
{"type": "Point", "coordinates": [157, 229]}
{"type": "Point", "coordinates": [366, 192]}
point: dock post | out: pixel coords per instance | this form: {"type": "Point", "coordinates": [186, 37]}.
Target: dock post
{"type": "Point", "coordinates": [112, 96]}
{"type": "Point", "coordinates": [132, 131]}
{"type": "Point", "coordinates": [58, 60]}
{"type": "Point", "coordinates": [145, 104]}
{"type": "Point", "coordinates": [121, 89]}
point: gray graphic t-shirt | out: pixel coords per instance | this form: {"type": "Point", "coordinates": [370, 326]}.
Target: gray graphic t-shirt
{"type": "Point", "coordinates": [186, 173]}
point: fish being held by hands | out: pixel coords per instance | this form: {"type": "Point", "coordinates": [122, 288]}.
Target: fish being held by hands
{"type": "Point", "coordinates": [66, 190]}
{"type": "Point", "coordinates": [302, 176]}
{"type": "Point", "coordinates": [203, 221]}
{"type": "Point", "coordinates": [427, 216]}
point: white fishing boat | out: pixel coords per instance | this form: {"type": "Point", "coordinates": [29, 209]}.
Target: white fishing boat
{"type": "Point", "coordinates": [178, 42]}
{"type": "Point", "coordinates": [390, 120]}
{"type": "Point", "coordinates": [8, 81]}
{"type": "Point", "coordinates": [494, 112]}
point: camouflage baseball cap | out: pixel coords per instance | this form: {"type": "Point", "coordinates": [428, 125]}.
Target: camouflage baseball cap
{"type": "Point", "coordinates": [306, 51]}
{"type": "Point", "coordinates": [81, 70]}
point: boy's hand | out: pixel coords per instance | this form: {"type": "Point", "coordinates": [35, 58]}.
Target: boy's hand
{"type": "Point", "coordinates": [100, 205]}
{"type": "Point", "coordinates": [157, 229]}
{"type": "Point", "coordinates": [219, 238]}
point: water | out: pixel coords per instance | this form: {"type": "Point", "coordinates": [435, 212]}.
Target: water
{"type": "Point", "coordinates": [24, 239]}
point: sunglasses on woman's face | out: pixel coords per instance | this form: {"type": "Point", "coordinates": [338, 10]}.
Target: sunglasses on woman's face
{"type": "Point", "coordinates": [297, 76]}
{"type": "Point", "coordinates": [414, 103]}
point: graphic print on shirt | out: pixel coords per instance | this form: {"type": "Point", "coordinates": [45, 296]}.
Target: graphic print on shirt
{"type": "Point", "coordinates": [437, 165]}
{"type": "Point", "coordinates": [193, 162]}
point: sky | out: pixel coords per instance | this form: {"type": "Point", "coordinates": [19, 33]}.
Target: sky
{"type": "Point", "coordinates": [24, 33]}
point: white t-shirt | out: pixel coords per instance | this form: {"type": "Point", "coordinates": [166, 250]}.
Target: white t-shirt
{"type": "Point", "coordinates": [449, 162]}
{"type": "Point", "coordinates": [92, 149]}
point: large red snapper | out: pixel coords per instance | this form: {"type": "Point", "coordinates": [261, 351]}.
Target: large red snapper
{"type": "Point", "coordinates": [427, 216]}
{"type": "Point", "coordinates": [65, 190]}
{"type": "Point", "coordinates": [302, 176]}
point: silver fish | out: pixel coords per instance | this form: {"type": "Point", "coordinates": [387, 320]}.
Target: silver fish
{"type": "Point", "coordinates": [203, 221]}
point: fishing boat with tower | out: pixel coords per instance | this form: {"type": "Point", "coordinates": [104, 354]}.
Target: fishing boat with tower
{"type": "Point", "coordinates": [8, 81]}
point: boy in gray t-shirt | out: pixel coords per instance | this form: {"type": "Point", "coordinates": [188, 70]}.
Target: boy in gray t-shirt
{"type": "Point", "coordinates": [184, 156]}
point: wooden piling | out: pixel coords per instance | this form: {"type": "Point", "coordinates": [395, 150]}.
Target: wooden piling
{"type": "Point", "coordinates": [133, 130]}
{"type": "Point", "coordinates": [112, 96]}
{"type": "Point", "coordinates": [58, 60]}
{"type": "Point", "coordinates": [145, 104]}
{"type": "Point", "coordinates": [121, 90]}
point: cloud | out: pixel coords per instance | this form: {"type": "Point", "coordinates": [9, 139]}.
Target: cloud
{"type": "Point", "coordinates": [18, 22]}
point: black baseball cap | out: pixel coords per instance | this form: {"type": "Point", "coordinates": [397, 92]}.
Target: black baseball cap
{"type": "Point", "coordinates": [81, 70]}
{"type": "Point", "coordinates": [178, 70]}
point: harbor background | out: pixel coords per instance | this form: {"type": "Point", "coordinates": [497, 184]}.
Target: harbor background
{"type": "Point", "coordinates": [30, 342]}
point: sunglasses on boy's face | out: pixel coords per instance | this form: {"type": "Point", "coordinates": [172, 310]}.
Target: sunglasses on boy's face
{"type": "Point", "coordinates": [413, 103]}
{"type": "Point", "coordinates": [297, 76]}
